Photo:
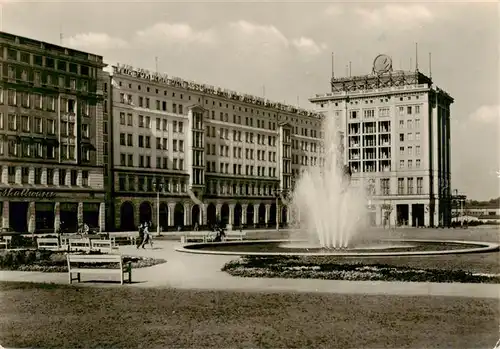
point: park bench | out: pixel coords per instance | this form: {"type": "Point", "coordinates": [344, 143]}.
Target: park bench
{"type": "Point", "coordinates": [103, 245]}
{"type": "Point", "coordinates": [234, 236]}
{"type": "Point", "coordinates": [194, 236]}
{"type": "Point", "coordinates": [98, 264]}
{"type": "Point", "coordinates": [82, 244]}
{"type": "Point", "coordinates": [4, 243]}
{"type": "Point", "coordinates": [129, 239]}
{"type": "Point", "coordinates": [51, 244]}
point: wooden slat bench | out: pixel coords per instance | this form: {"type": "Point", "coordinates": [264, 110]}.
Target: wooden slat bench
{"type": "Point", "coordinates": [234, 236]}
{"type": "Point", "coordinates": [117, 266]}
{"type": "Point", "coordinates": [4, 244]}
{"type": "Point", "coordinates": [125, 239]}
{"type": "Point", "coordinates": [194, 236]}
{"type": "Point", "coordinates": [79, 244]}
{"type": "Point", "coordinates": [48, 244]}
{"type": "Point", "coordinates": [103, 245]}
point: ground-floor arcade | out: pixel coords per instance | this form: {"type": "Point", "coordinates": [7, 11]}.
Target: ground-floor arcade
{"type": "Point", "coordinates": [404, 212]}
{"type": "Point", "coordinates": [179, 213]}
{"type": "Point", "coordinates": [25, 211]}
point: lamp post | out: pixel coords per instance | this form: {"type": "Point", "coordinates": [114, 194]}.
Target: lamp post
{"type": "Point", "coordinates": [158, 187]}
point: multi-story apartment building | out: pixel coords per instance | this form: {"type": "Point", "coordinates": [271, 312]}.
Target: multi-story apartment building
{"type": "Point", "coordinates": [186, 153]}
{"type": "Point", "coordinates": [50, 136]}
{"type": "Point", "coordinates": [396, 137]}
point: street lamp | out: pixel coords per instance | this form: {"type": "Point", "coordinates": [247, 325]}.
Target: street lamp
{"type": "Point", "coordinates": [158, 188]}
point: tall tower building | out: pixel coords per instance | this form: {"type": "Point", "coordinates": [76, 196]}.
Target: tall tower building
{"type": "Point", "coordinates": [395, 131]}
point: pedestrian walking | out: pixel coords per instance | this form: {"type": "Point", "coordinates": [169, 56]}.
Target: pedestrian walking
{"type": "Point", "coordinates": [141, 235]}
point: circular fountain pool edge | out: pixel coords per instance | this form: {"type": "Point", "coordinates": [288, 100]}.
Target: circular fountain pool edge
{"type": "Point", "coordinates": [472, 247]}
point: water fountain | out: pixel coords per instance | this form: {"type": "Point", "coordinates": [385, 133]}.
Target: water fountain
{"type": "Point", "coordinates": [330, 217]}
{"type": "Point", "coordinates": [332, 211]}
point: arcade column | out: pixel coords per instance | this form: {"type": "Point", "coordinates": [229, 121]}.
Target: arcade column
{"type": "Point", "coordinates": [244, 208]}
{"type": "Point", "coordinates": [218, 209]}
{"type": "Point", "coordinates": [57, 216]}
{"type": "Point", "coordinates": [102, 216]}
{"type": "Point", "coordinates": [187, 214]}
{"type": "Point", "coordinates": [268, 213]}
{"type": "Point", "coordinates": [80, 213]}
{"type": "Point", "coordinates": [5, 215]}
{"type": "Point", "coordinates": [31, 217]}
{"type": "Point", "coordinates": [171, 213]}
{"type": "Point", "coordinates": [255, 215]}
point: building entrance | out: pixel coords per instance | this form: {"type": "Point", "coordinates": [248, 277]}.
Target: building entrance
{"type": "Point", "coordinates": [18, 216]}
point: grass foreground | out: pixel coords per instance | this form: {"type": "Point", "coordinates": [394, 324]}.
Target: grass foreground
{"type": "Point", "coordinates": [62, 316]}
{"type": "Point", "coordinates": [312, 267]}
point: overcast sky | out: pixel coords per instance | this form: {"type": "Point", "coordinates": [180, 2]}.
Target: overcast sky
{"type": "Point", "coordinates": [287, 47]}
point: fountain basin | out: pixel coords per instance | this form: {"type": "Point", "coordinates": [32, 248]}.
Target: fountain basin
{"type": "Point", "coordinates": [393, 248]}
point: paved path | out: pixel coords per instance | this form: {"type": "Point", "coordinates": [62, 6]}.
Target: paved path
{"type": "Point", "coordinates": [190, 271]}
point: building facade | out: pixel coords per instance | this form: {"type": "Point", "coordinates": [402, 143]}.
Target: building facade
{"type": "Point", "coordinates": [187, 154]}
{"type": "Point", "coordinates": [396, 136]}
{"type": "Point", "coordinates": [50, 136]}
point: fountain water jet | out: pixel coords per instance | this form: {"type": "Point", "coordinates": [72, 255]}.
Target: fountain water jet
{"type": "Point", "coordinates": [331, 210]}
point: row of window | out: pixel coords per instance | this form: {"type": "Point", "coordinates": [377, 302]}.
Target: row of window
{"type": "Point", "coordinates": [272, 126]}
{"type": "Point", "coordinates": [127, 160]}
{"type": "Point", "coordinates": [127, 139]}
{"type": "Point", "coordinates": [409, 163]}
{"type": "Point", "coordinates": [410, 123]}
{"type": "Point", "coordinates": [410, 150]}
{"type": "Point", "coordinates": [238, 153]}
{"type": "Point", "coordinates": [382, 112]}
{"type": "Point", "coordinates": [32, 149]}
{"type": "Point", "coordinates": [48, 62]}
{"type": "Point", "coordinates": [211, 132]}
{"type": "Point", "coordinates": [46, 176]}
{"type": "Point", "coordinates": [224, 168]}
{"type": "Point", "coordinates": [151, 184]}
{"type": "Point", "coordinates": [145, 122]}
{"type": "Point", "coordinates": [308, 161]}
{"type": "Point", "coordinates": [238, 188]}
{"type": "Point", "coordinates": [409, 136]}
{"type": "Point", "coordinates": [385, 186]}
{"type": "Point", "coordinates": [23, 74]}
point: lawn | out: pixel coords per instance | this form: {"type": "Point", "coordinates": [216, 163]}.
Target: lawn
{"type": "Point", "coordinates": [60, 316]}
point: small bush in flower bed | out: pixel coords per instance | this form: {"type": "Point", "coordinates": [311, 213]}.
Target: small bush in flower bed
{"type": "Point", "coordinates": [55, 261]}
{"type": "Point", "coordinates": [304, 268]}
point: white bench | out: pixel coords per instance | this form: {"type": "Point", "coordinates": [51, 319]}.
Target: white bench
{"type": "Point", "coordinates": [128, 239]}
{"type": "Point", "coordinates": [51, 244]}
{"type": "Point", "coordinates": [79, 244]}
{"type": "Point", "coordinates": [234, 236]}
{"type": "Point", "coordinates": [6, 241]}
{"type": "Point", "coordinates": [196, 236]}
{"type": "Point", "coordinates": [118, 266]}
{"type": "Point", "coordinates": [103, 245]}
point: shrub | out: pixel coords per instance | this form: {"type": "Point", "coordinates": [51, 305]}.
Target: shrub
{"type": "Point", "coordinates": [19, 241]}
{"type": "Point", "coordinates": [306, 269]}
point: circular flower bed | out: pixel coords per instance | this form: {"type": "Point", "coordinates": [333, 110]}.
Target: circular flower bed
{"type": "Point", "coordinates": [55, 261]}
{"type": "Point", "coordinates": [304, 268]}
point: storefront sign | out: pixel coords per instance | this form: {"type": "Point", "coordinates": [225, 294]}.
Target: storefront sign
{"type": "Point", "coordinates": [121, 69]}
{"type": "Point", "coordinates": [140, 73]}
{"type": "Point", "coordinates": [27, 193]}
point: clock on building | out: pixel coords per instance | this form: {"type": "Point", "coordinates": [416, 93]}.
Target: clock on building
{"type": "Point", "coordinates": [382, 64]}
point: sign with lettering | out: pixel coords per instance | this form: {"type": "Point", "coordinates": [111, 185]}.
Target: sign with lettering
{"type": "Point", "coordinates": [27, 193]}
{"type": "Point", "coordinates": [121, 69]}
